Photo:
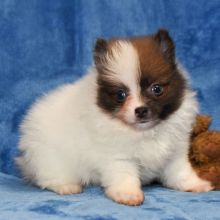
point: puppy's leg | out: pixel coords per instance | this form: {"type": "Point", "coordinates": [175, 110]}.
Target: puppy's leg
{"type": "Point", "coordinates": [122, 183]}
{"type": "Point", "coordinates": [179, 174]}
{"type": "Point", "coordinates": [64, 189]}
{"type": "Point", "coordinates": [62, 182]}
{"type": "Point", "coordinates": [50, 173]}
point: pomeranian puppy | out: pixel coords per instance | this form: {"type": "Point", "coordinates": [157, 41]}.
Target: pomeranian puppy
{"type": "Point", "coordinates": [123, 125]}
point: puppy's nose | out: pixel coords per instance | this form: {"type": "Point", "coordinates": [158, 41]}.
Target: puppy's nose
{"type": "Point", "coordinates": [141, 112]}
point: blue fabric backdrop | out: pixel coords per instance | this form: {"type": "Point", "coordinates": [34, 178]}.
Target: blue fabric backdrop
{"type": "Point", "coordinates": [44, 44]}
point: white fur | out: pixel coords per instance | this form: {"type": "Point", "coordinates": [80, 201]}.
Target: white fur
{"type": "Point", "coordinates": [67, 140]}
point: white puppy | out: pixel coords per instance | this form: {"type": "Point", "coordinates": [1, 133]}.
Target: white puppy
{"type": "Point", "coordinates": [126, 123]}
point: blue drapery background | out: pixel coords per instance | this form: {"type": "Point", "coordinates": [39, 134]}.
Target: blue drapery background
{"type": "Point", "coordinates": [44, 44]}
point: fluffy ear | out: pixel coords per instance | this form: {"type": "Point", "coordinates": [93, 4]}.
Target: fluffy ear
{"type": "Point", "coordinates": [100, 50]}
{"type": "Point", "coordinates": [166, 44]}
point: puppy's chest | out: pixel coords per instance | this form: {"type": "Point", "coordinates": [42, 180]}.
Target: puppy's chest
{"type": "Point", "coordinates": [151, 156]}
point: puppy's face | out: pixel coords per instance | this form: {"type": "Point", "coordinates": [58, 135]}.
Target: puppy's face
{"type": "Point", "coordinates": [138, 82]}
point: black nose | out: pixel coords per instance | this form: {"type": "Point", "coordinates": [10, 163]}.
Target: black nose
{"type": "Point", "coordinates": [141, 112]}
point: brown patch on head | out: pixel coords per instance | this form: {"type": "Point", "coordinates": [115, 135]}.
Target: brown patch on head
{"type": "Point", "coordinates": [152, 62]}
{"type": "Point", "coordinates": [157, 67]}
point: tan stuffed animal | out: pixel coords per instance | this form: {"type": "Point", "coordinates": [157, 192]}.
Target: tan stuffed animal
{"type": "Point", "coordinates": [204, 153]}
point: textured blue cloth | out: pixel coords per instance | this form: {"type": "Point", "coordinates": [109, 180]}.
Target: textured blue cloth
{"type": "Point", "coordinates": [21, 202]}
{"type": "Point", "coordinates": [45, 43]}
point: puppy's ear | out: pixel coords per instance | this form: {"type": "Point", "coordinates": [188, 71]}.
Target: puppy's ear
{"type": "Point", "coordinates": [166, 44]}
{"type": "Point", "coordinates": [100, 51]}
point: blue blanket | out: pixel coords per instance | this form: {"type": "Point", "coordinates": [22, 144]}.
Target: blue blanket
{"type": "Point", "coordinates": [22, 202]}
{"type": "Point", "coordinates": [44, 44]}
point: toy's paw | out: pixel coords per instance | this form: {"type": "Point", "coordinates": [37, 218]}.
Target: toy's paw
{"type": "Point", "coordinates": [211, 173]}
{"type": "Point", "coordinates": [65, 189]}
{"type": "Point", "coordinates": [126, 196]}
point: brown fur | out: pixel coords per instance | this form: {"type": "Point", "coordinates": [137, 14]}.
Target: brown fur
{"type": "Point", "coordinates": [152, 62]}
{"type": "Point", "coordinates": [204, 153]}
{"type": "Point", "coordinates": [157, 66]}
{"type": "Point", "coordinates": [202, 124]}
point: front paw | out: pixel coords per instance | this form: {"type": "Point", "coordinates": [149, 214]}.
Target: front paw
{"type": "Point", "coordinates": [194, 184]}
{"type": "Point", "coordinates": [199, 186]}
{"type": "Point", "coordinates": [127, 196]}
{"type": "Point", "coordinates": [65, 189]}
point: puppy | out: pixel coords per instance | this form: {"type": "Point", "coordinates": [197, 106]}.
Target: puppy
{"type": "Point", "coordinates": [126, 123]}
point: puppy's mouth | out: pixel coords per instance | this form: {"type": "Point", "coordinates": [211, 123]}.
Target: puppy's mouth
{"type": "Point", "coordinates": [145, 124]}
{"type": "Point", "coordinates": [143, 121]}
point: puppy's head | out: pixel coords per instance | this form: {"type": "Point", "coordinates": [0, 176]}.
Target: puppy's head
{"type": "Point", "coordinates": [138, 81]}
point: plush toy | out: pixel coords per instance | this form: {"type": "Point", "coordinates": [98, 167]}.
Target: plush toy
{"type": "Point", "coordinates": [204, 153]}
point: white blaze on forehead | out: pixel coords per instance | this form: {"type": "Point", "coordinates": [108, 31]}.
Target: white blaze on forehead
{"type": "Point", "coordinates": [124, 65]}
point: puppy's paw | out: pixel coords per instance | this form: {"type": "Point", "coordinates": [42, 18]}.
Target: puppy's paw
{"type": "Point", "coordinates": [202, 186]}
{"type": "Point", "coordinates": [65, 189]}
{"type": "Point", "coordinates": [127, 196]}
{"type": "Point", "coordinates": [196, 184]}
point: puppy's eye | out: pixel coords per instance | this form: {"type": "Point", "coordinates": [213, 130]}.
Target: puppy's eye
{"type": "Point", "coordinates": [157, 89]}
{"type": "Point", "coordinates": [121, 95]}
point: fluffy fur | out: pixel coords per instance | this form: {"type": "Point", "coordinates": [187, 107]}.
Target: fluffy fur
{"type": "Point", "coordinates": [81, 134]}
